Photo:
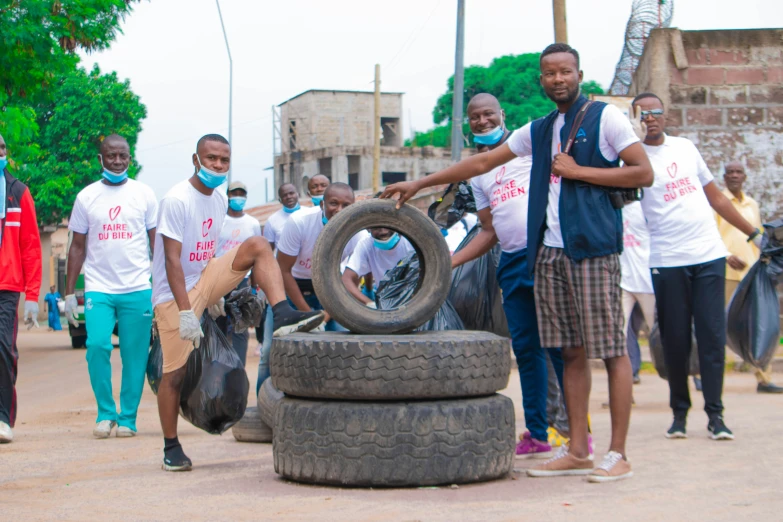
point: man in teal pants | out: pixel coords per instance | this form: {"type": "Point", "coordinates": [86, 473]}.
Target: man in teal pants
{"type": "Point", "coordinates": [113, 224]}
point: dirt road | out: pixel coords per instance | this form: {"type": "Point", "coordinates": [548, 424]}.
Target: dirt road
{"type": "Point", "coordinates": [55, 470]}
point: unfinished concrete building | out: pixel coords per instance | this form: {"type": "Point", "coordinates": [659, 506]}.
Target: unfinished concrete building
{"type": "Point", "coordinates": [331, 133]}
{"type": "Point", "coordinates": [723, 90]}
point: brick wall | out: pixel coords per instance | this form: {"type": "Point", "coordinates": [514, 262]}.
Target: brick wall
{"type": "Point", "coordinates": [727, 97]}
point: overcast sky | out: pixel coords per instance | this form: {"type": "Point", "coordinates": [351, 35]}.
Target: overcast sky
{"type": "Point", "coordinates": [174, 55]}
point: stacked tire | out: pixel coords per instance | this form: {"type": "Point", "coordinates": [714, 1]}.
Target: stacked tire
{"type": "Point", "coordinates": [392, 410]}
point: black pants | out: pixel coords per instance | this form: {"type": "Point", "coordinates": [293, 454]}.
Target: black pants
{"type": "Point", "coordinates": [9, 301]}
{"type": "Point", "coordinates": [697, 292]}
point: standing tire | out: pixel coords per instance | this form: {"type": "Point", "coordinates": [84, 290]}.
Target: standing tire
{"type": "Point", "coordinates": [394, 444]}
{"type": "Point", "coordinates": [268, 399]}
{"type": "Point", "coordinates": [422, 365]}
{"type": "Point", "coordinates": [251, 428]}
{"type": "Point", "coordinates": [425, 237]}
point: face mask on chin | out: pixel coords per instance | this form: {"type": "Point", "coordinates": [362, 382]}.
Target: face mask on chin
{"type": "Point", "coordinates": [291, 210]}
{"type": "Point", "coordinates": [3, 162]}
{"type": "Point", "coordinates": [387, 244]}
{"type": "Point", "coordinates": [209, 178]}
{"type": "Point", "coordinates": [113, 177]}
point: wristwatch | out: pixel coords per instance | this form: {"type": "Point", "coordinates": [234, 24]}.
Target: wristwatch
{"type": "Point", "coordinates": [753, 235]}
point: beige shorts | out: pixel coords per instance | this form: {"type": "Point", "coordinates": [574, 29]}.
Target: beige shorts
{"type": "Point", "coordinates": [217, 279]}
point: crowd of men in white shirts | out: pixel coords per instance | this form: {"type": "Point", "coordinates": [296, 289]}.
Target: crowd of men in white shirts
{"type": "Point", "coordinates": [568, 293]}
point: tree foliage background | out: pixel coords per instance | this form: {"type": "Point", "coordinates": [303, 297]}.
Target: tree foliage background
{"type": "Point", "coordinates": [54, 114]}
{"type": "Point", "coordinates": [513, 80]}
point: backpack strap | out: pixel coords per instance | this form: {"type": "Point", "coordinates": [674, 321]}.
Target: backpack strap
{"type": "Point", "coordinates": [575, 126]}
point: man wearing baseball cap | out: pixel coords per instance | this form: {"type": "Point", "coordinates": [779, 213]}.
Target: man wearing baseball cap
{"type": "Point", "coordinates": [237, 227]}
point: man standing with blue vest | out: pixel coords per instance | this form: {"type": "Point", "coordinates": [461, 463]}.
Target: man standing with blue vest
{"type": "Point", "coordinates": [575, 236]}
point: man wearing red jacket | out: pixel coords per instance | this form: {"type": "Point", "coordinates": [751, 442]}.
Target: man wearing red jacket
{"type": "Point", "coordinates": [20, 257]}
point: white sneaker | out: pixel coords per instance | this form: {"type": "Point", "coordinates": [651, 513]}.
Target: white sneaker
{"type": "Point", "coordinates": [124, 431]}
{"type": "Point", "coordinates": [6, 434]}
{"type": "Point", "coordinates": [103, 429]}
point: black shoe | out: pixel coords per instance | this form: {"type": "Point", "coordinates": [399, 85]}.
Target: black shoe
{"type": "Point", "coordinates": [288, 320]}
{"type": "Point", "coordinates": [677, 431]}
{"type": "Point", "coordinates": [768, 387]}
{"type": "Point", "coordinates": [718, 429]}
{"type": "Point", "coordinates": [697, 383]}
{"type": "Point", "coordinates": [175, 459]}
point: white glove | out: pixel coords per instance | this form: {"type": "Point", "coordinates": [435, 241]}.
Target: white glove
{"type": "Point", "coordinates": [757, 240]}
{"type": "Point", "coordinates": [190, 327]}
{"type": "Point", "coordinates": [71, 314]}
{"type": "Point", "coordinates": [218, 309]}
{"type": "Point", "coordinates": [31, 314]}
{"type": "Point", "coordinates": [639, 127]}
{"type": "Point", "coordinates": [372, 305]}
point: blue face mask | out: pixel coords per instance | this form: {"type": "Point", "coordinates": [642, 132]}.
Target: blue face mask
{"type": "Point", "coordinates": [491, 137]}
{"type": "Point", "coordinates": [324, 219]}
{"type": "Point", "coordinates": [237, 203]}
{"type": "Point", "coordinates": [316, 200]}
{"type": "Point", "coordinates": [209, 178]}
{"type": "Point", "coordinates": [291, 210]}
{"type": "Point", "coordinates": [113, 177]}
{"type": "Point", "coordinates": [3, 162]}
{"type": "Point", "coordinates": [387, 244]}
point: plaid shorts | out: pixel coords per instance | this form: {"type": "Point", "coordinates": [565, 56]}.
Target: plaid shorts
{"type": "Point", "coordinates": [580, 303]}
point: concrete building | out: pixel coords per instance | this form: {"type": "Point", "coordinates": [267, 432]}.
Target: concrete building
{"type": "Point", "coordinates": [723, 89]}
{"type": "Point", "coordinates": [331, 133]}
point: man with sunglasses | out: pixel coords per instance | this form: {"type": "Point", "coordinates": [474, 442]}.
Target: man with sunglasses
{"type": "Point", "coordinates": [688, 264]}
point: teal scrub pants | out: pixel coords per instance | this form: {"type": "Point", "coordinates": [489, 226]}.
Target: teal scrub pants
{"type": "Point", "coordinates": [133, 312]}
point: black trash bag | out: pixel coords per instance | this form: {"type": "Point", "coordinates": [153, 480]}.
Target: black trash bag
{"type": "Point", "coordinates": [452, 205]}
{"type": "Point", "coordinates": [244, 309]}
{"type": "Point", "coordinates": [399, 285]}
{"type": "Point", "coordinates": [214, 391]}
{"type": "Point", "coordinates": [475, 292]}
{"type": "Point", "coordinates": [656, 352]}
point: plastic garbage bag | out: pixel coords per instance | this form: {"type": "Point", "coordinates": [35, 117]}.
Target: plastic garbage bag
{"type": "Point", "coordinates": [245, 309]}
{"type": "Point", "coordinates": [475, 292]}
{"type": "Point", "coordinates": [214, 391]}
{"type": "Point", "coordinates": [656, 352]}
{"type": "Point", "coordinates": [452, 205]}
{"type": "Point", "coordinates": [399, 285]}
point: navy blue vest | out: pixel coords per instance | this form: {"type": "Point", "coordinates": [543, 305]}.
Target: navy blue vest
{"type": "Point", "coordinates": [590, 225]}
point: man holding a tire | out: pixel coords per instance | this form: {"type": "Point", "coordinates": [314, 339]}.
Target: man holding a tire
{"type": "Point", "coordinates": [502, 204]}
{"type": "Point", "coordinates": [575, 235]}
{"type": "Point", "coordinates": [113, 229]}
{"type": "Point", "coordinates": [295, 249]}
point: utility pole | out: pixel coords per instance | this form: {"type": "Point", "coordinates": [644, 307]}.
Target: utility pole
{"type": "Point", "coordinates": [230, 84]}
{"type": "Point", "coordinates": [559, 14]}
{"type": "Point", "coordinates": [376, 149]}
{"type": "Point", "coordinates": [459, 80]}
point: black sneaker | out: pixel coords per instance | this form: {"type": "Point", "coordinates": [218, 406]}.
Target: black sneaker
{"type": "Point", "coordinates": [718, 429]}
{"type": "Point", "coordinates": [677, 431]}
{"type": "Point", "coordinates": [288, 320]}
{"type": "Point", "coordinates": [176, 460]}
{"type": "Point", "coordinates": [768, 387]}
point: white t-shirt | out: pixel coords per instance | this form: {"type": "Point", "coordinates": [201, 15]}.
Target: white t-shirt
{"type": "Point", "coordinates": [505, 191]}
{"type": "Point", "coordinates": [458, 231]}
{"type": "Point", "coordinates": [367, 258]}
{"type": "Point", "coordinates": [276, 222]}
{"type": "Point", "coordinates": [235, 231]}
{"type": "Point", "coordinates": [115, 219]}
{"type": "Point", "coordinates": [635, 259]}
{"type": "Point", "coordinates": [615, 134]}
{"type": "Point", "coordinates": [682, 227]}
{"type": "Point", "coordinates": [195, 220]}
{"type": "Point", "coordinates": [298, 240]}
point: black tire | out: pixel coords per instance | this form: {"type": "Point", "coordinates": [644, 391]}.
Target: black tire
{"type": "Point", "coordinates": [422, 365]}
{"type": "Point", "coordinates": [426, 239]}
{"type": "Point", "coordinates": [395, 443]}
{"type": "Point", "coordinates": [79, 341]}
{"type": "Point", "coordinates": [251, 428]}
{"type": "Point", "coordinates": [268, 399]}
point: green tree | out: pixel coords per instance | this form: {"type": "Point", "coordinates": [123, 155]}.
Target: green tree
{"type": "Point", "coordinates": [85, 108]}
{"type": "Point", "coordinates": [513, 80]}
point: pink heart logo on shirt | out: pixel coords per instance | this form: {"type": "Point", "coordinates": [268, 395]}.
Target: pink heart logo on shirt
{"type": "Point", "coordinates": [500, 174]}
{"type": "Point", "coordinates": [205, 226]}
{"type": "Point", "coordinates": [114, 212]}
{"type": "Point", "coordinates": [672, 170]}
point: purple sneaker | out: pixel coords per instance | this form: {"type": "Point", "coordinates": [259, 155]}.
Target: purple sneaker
{"type": "Point", "coordinates": [530, 448]}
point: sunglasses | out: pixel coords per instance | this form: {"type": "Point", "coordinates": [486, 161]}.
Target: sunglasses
{"type": "Point", "coordinates": [653, 113]}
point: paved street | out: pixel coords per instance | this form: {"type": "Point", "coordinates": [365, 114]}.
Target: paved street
{"type": "Point", "coordinates": [56, 470]}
